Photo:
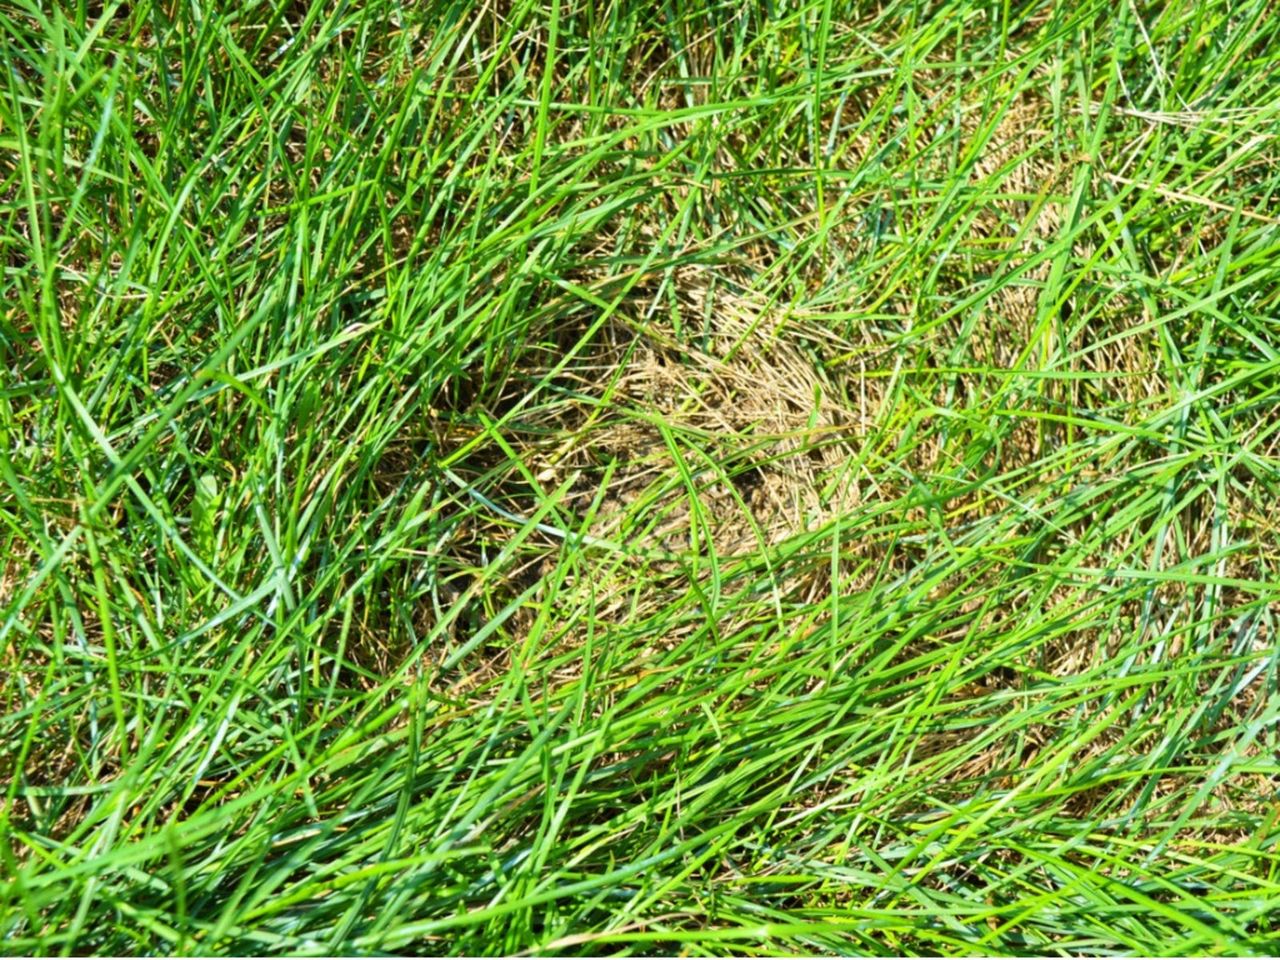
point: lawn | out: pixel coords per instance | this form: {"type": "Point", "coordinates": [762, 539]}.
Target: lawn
{"type": "Point", "coordinates": [639, 477]}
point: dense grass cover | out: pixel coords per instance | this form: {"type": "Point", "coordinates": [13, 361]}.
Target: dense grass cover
{"type": "Point", "coordinates": [639, 477]}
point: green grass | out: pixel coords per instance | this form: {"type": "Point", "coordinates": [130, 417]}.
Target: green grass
{"type": "Point", "coordinates": [639, 477]}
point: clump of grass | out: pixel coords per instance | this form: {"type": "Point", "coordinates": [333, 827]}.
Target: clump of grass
{"type": "Point", "coordinates": [627, 478]}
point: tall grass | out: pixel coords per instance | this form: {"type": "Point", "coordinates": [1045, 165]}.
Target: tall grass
{"type": "Point", "coordinates": [573, 477]}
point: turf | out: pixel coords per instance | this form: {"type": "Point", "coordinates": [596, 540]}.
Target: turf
{"type": "Point", "coordinates": [639, 477]}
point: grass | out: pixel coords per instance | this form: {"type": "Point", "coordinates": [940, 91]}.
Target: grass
{"type": "Point", "coordinates": [566, 477]}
